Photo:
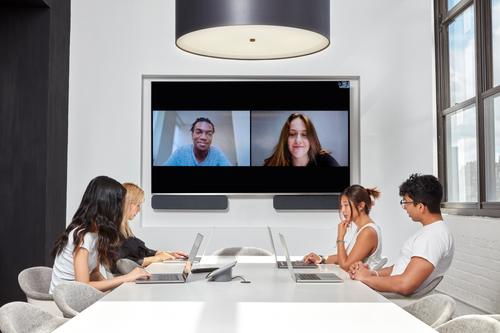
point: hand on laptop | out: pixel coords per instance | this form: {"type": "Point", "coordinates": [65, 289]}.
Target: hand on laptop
{"type": "Point", "coordinates": [312, 258]}
{"type": "Point", "coordinates": [137, 273]}
{"type": "Point", "coordinates": [162, 256]}
{"type": "Point", "coordinates": [179, 255]}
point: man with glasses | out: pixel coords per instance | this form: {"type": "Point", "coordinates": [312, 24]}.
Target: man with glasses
{"type": "Point", "coordinates": [425, 255]}
{"type": "Point", "coordinates": [201, 152]}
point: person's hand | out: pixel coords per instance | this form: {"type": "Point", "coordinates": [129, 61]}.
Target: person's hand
{"type": "Point", "coordinates": [162, 256]}
{"type": "Point", "coordinates": [359, 271]}
{"type": "Point", "coordinates": [342, 229]}
{"type": "Point", "coordinates": [312, 258]}
{"type": "Point", "coordinates": [179, 255]}
{"type": "Point", "coordinates": [136, 273]}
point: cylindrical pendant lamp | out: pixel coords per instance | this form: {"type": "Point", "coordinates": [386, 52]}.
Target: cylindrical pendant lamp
{"type": "Point", "coordinates": [252, 29]}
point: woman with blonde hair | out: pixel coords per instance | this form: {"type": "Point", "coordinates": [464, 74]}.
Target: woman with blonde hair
{"type": "Point", "coordinates": [298, 145]}
{"type": "Point", "coordinates": [355, 205]}
{"type": "Point", "coordinates": [132, 247]}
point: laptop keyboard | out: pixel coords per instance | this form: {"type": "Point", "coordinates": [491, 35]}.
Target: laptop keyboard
{"type": "Point", "coordinates": [167, 277]}
{"type": "Point", "coordinates": [305, 276]}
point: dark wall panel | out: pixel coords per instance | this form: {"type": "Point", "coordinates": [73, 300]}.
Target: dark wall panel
{"type": "Point", "coordinates": [33, 136]}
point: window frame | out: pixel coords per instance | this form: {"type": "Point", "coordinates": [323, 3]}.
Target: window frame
{"type": "Point", "coordinates": [484, 89]}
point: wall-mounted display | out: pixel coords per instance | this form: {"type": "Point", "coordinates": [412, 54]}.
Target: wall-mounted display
{"type": "Point", "coordinates": [262, 136]}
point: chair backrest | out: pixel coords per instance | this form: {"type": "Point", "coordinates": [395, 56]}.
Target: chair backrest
{"type": "Point", "coordinates": [470, 324]}
{"type": "Point", "coordinates": [242, 251]}
{"type": "Point", "coordinates": [35, 282]}
{"type": "Point", "coordinates": [74, 297]}
{"type": "Point", "coordinates": [125, 266]}
{"type": "Point", "coordinates": [428, 288]}
{"type": "Point", "coordinates": [433, 310]}
{"type": "Point", "coordinates": [20, 317]}
{"type": "Point", "coordinates": [494, 316]}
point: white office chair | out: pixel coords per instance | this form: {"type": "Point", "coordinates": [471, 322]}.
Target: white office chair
{"type": "Point", "coordinates": [35, 283]}
{"type": "Point", "coordinates": [433, 310]}
{"type": "Point", "coordinates": [381, 264]}
{"type": "Point", "coordinates": [242, 251]}
{"type": "Point", "coordinates": [20, 317]}
{"type": "Point", "coordinates": [470, 324]}
{"type": "Point", "coordinates": [74, 297]}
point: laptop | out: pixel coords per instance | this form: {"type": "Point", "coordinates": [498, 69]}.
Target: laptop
{"type": "Point", "coordinates": [282, 264]}
{"type": "Point", "coordinates": [308, 277]}
{"type": "Point", "coordinates": [176, 277]}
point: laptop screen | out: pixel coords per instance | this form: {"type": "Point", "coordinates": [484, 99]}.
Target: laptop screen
{"type": "Point", "coordinates": [287, 255]}
{"type": "Point", "coordinates": [192, 255]}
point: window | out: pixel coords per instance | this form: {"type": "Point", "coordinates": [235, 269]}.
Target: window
{"type": "Point", "coordinates": [468, 104]}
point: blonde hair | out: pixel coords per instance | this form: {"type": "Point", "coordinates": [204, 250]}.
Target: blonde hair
{"type": "Point", "coordinates": [135, 195]}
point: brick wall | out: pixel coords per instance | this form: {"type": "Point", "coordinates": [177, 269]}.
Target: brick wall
{"type": "Point", "coordinates": [474, 277]}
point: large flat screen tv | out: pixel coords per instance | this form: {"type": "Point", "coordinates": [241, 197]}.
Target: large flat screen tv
{"type": "Point", "coordinates": [250, 136]}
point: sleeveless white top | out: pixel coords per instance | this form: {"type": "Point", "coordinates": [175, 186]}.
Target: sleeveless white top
{"type": "Point", "coordinates": [376, 257]}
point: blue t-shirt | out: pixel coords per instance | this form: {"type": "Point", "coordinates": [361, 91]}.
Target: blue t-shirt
{"type": "Point", "coordinates": [184, 156]}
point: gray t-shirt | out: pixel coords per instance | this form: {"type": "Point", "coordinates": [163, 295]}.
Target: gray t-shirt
{"type": "Point", "coordinates": [64, 269]}
{"type": "Point", "coordinates": [184, 156]}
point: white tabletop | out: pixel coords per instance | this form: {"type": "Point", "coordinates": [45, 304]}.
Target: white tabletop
{"type": "Point", "coordinates": [271, 302]}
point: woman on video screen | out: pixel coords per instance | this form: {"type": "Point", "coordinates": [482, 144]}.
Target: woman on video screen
{"type": "Point", "coordinates": [299, 145]}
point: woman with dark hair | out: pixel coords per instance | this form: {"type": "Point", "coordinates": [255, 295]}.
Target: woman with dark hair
{"type": "Point", "coordinates": [299, 145]}
{"type": "Point", "coordinates": [355, 204]}
{"type": "Point", "coordinates": [92, 237]}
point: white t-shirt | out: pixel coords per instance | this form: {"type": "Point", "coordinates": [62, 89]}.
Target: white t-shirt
{"type": "Point", "coordinates": [433, 243]}
{"type": "Point", "coordinates": [64, 269]}
{"type": "Point", "coordinates": [376, 257]}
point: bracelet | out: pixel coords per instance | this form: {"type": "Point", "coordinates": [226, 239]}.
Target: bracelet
{"type": "Point", "coordinates": [376, 273]}
{"type": "Point", "coordinates": [340, 241]}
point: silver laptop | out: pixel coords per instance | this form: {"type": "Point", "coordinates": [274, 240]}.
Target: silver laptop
{"type": "Point", "coordinates": [176, 277]}
{"type": "Point", "coordinates": [282, 264]}
{"type": "Point", "coordinates": [308, 277]}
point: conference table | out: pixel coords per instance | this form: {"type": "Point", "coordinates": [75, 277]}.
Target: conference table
{"type": "Point", "coordinates": [272, 302]}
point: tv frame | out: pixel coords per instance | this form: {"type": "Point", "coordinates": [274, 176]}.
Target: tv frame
{"type": "Point", "coordinates": [146, 135]}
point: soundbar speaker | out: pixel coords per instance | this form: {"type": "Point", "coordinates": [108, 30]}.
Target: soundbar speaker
{"type": "Point", "coordinates": [306, 202]}
{"type": "Point", "coordinates": [189, 202]}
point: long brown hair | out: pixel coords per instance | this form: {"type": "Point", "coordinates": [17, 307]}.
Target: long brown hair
{"type": "Point", "coordinates": [357, 194]}
{"type": "Point", "coordinates": [135, 195]}
{"type": "Point", "coordinates": [281, 155]}
{"type": "Point", "coordinates": [101, 211]}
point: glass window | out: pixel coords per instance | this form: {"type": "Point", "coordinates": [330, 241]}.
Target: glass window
{"type": "Point", "coordinates": [462, 61]}
{"type": "Point", "coordinates": [495, 24]}
{"type": "Point", "coordinates": [461, 156]}
{"type": "Point", "coordinates": [452, 3]}
{"type": "Point", "coordinates": [492, 147]}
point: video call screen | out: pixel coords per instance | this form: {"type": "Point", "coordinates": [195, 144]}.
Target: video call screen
{"type": "Point", "coordinates": [250, 136]}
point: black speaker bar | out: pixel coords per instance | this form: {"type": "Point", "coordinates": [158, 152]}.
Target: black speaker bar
{"type": "Point", "coordinates": [306, 202]}
{"type": "Point", "coordinates": [189, 202]}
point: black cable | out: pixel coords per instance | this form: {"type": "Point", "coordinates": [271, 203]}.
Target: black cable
{"type": "Point", "coordinates": [242, 278]}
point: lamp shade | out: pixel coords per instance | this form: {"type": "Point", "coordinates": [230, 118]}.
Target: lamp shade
{"type": "Point", "coordinates": [252, 29]}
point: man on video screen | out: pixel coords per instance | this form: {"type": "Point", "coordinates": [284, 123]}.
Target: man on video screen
{"type": "Point", "coordinates": [201, 152]}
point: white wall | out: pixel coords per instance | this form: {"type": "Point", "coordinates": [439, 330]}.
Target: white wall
{"type": "Point", "coordinates": [387, 43]}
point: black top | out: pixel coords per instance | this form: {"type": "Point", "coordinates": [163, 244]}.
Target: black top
{"type": "Point", "coordinates": [324, 160]}
{"type": "Point", "coordinates": [134, 249]}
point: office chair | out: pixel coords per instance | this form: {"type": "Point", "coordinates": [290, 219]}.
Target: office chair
{"type": "Point", "coordinates": [21, 317]}
{"type": "Point", "coordinates": [433, 310]}
{"type": "Point", "coordinates": [470, 324]}
{"type": "Point", "coordinates": [125, 266]}
{"type": "Point", "coordinates": [74, 297]}
{"type": "Point", "coordinates": [242, 251]}
{"type": "Point", "coordinates": [381, 264]}
{"type": "Point", "coordinates": [35, 283]}
{"type": "Point", "coordinates": [406, 300]}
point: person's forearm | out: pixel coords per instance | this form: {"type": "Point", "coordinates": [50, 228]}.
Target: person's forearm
{"type": "Point", "coordinates": [342, 256]}
{"type": "Point", "coordinates": [105, 285]}
{"type": "Point", "coordinates": [148, 261]}
{"type": "Point", "coordinates": [387, 271]}
{"type": "Point", "coordinates": [331, 259]}
{"type": "Point", "coordinates": [394, 284]}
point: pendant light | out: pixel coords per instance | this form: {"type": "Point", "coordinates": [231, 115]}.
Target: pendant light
{"type": "Point", "coordinates": [252, 29]}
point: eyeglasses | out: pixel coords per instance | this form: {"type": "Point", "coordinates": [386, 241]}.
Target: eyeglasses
{"type": "Point", "coordinates": [403, 203]}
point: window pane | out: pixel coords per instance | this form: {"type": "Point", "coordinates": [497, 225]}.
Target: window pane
{"type": "Point", "coordinates": [462, 62]}
{"type": "Point", "coordinates": [492, 146]}
{"type": "Point", "coordinates": [495, 22]}
{"type": "Point", "coordinates": [452, 3]}
{"type": "Point", "coordinates": [461, 157]}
